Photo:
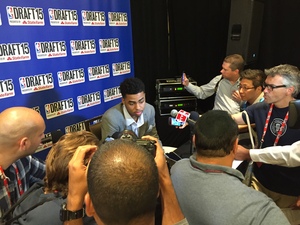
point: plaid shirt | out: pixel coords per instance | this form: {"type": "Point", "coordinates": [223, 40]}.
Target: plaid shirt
{"type": "Point", "coordinates": [30, 169]}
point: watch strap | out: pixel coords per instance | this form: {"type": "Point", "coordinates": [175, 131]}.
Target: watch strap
{"type": "Point", "coordinates": [67, 215]}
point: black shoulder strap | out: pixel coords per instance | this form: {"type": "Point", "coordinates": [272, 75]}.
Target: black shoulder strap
{"type": "Point", "coordinates": [29, 209]}
{"type": "Point", "coordinates": [217, 84]}
{"type": "Point", "coordinates": [34, 187]}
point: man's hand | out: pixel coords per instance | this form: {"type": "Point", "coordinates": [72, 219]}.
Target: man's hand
{"type": "Point", "coordinates": [183, 126]}
{"type": "Point", "coordinates": [77, 176]}
{"type": "Point", "coordinates": [242, 153]}
{"type": "Point", "coordinates": [160, 158]}
{"type": "Point", "coordinates": [171, 212]}
{"type": "Point", "coordinates": [184, 80]}
{"type": "Point", "coordinates": [296, 206]}
{"type": "Point", "coordinates": [236, 96]}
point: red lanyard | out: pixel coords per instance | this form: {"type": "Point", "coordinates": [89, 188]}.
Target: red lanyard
{"type": "Point", "coordinates": [6, 179]}
{"type": "Point", "coordinates": [283, 124]}
{"type": "Point", "coordinates": [21, 191]}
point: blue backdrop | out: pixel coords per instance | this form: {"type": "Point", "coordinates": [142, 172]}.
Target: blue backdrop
{"type": "Point", "coordinates": [65, 59]}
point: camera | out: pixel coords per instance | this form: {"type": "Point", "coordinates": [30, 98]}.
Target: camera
{"type": "Point", "coordinates": [148, 144]}
{"type": "Point", "coordinates": [129, 135]}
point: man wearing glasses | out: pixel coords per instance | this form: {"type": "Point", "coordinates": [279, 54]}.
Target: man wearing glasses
{"type": "Point", "coordinates": [250, 88]}
{"type": "Point", "coordinates": [282, 184]}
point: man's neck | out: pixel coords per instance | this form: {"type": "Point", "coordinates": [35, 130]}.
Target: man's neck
{"type": "Point", "coordinates": [234, 79]}
{"type": "Point", "coordinates": [251, 101]}
{"type": "Point", "coordinates": [221, 161]}
{"type": "Point", "coordinates": [6, 160]}
{"type": "Point", "coordinates": [284, 102]}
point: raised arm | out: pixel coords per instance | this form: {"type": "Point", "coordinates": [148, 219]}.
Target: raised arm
{"type": "Point", "coordinates": [171, 211]}
{"type": "Point", "coordinates": [77, 187]}
{"type": "Point", "coordinates": [288, 155]}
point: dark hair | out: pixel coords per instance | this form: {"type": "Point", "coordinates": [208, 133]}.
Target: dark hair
{"type": "Point", "coordinates": [236, 61]}
{"type": "Point", "coordinates": [257, 76]}
{"type": "Point", "coordinates": [57, 161]}
{"type": "Point", "coordinates": [122, 182]}
{"type": "Point", "coordinates": [132, 86]}
{"type": "Point", "coordinates": [215, 134]}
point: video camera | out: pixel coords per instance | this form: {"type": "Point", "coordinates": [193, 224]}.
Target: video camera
{"type": "Point", "coordinates": [129, 135]}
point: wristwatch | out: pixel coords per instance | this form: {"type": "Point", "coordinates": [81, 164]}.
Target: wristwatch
{"type": "Point", "coordinates": [66, 215]}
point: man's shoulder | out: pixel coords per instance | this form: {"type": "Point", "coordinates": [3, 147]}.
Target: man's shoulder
{"type": "Point", "coordinates": [29, 160]}
{"type": "Point", "coordinates": [179, 165]}
{"type": "Point", "coordinates": [116, 109]}
{"type": "Point", "coordinates": [149, 107]}
{"type": "Point", "coordinates": [258, 106]}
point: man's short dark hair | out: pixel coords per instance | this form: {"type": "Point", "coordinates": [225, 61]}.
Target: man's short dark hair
{"type": "Point", "coordinates": [122, 182]}
{"type": "Point", "coordinates": [257, 76]}
{"type": "Point", "coordinates": [132, 86]}
{"type": "Point", "coordinates": [215, 134]}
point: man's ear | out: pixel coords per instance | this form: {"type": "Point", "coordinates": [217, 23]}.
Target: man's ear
{"type": "Point", "coordinates": [290, 90]}
{"type": "Point", "coordinates": [235, 146]}
{"type": "Point", "coordinates": [89, 208]}
{"type": "Point", "coordinates": [193, 139]}
{"type": "Point", "coordinates": [23, 144]}
{"type": "Point", "coordinates": [259, 88]}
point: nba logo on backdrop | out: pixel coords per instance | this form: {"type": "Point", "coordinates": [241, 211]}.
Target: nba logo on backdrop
{"type": "Point", "coordinates": [10, 13]}
{"type": "Point", "coordinates": [22, 82]}
{"type": "Point", "coordinates": [38, 47]}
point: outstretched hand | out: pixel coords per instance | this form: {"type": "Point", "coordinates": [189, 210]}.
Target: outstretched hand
{"type": "Point", "coordinates": [184, 80]}
{"type": "Point", "coordinates": [242, 153]}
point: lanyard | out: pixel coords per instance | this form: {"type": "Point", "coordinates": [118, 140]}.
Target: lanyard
{"type": "Point", "coordinates": [21, 191]}
{"type": "Point", "coordinates": [6, 179]}
{"type": "Point", "coordinates": [283, 124]}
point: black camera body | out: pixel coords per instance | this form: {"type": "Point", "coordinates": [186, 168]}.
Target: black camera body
{"type": "Point", "coordinates": [147, 144]}
{"type": "Point", "coordinates": [131, 136]}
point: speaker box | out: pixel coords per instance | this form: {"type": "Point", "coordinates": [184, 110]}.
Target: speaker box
{"type": "Point", "coordinates": [245, 28]}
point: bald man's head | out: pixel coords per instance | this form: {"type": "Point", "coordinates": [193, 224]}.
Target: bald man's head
{"type": "Point", "coordinates": [21, 122]}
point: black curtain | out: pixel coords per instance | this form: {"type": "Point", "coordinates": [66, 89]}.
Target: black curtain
{"type": "Point", "coordinates": [280, 39]}
{"type": "Point", "coordinates": [150, 42]}
{"type": "Point", "coordinates": [195, 41]}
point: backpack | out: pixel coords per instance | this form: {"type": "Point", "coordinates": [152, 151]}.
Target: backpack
{"type": "Point", "coordinates": [8, 218]}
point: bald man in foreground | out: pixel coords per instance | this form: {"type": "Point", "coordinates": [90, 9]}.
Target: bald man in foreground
{"type": "Point", "coordinates": [21, 132]}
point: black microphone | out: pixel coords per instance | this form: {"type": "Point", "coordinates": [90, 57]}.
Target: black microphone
{"type": "Point", "coordinates": [192, 119]}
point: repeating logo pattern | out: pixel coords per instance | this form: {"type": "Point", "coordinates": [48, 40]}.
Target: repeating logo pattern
{"type": "Point", "coordinates": [52, 51]}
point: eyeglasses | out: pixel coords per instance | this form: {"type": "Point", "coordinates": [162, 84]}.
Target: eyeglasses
{"type": "Point", "coordinates": [245, 88]}
{"type": "Point", "coordinates": [271, 87]}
